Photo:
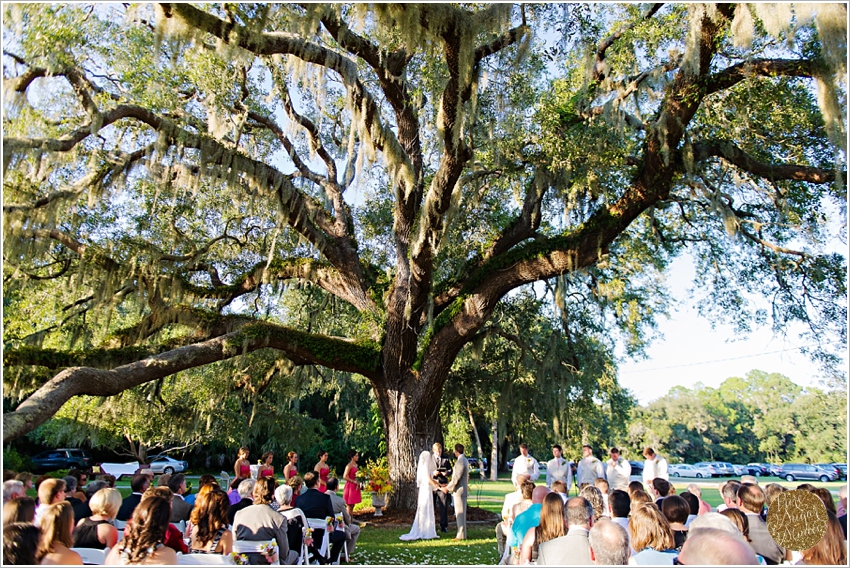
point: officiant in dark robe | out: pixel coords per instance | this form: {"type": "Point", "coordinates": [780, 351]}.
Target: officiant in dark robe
{"type": "Point", "coordinates": [439, 471]}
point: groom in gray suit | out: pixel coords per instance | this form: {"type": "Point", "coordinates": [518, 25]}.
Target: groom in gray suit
{"type": "Point", "coordinates": [459, 487]}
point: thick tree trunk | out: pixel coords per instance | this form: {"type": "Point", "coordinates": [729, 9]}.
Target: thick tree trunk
{"type": "Point", "coordinates": [412, 425]}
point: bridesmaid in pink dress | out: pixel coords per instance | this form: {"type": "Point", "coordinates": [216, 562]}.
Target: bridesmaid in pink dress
{"type": "Point", "coordinates": [266, 469]}
{"type": "Point", "coordinates": [351, 493]}
{"type": "Point", "coordinates": [290, 470]}
{"type": "Point", "coordinates": [323, 470]}
{"type": "Point", "coordinates": [242, 468]}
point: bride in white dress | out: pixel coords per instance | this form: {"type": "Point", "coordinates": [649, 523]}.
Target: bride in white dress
{"type": "Point", "coordinates": [424, 526]}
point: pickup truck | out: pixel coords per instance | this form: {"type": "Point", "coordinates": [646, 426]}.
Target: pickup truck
{"type": "Point", "coordinates": [119, 470]}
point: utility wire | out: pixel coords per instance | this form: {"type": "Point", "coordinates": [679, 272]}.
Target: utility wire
{"type": "Point", "coordinates": [714, 361]}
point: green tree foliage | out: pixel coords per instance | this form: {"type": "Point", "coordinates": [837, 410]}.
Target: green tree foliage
{"type": "Point", "coordinates": [189, 184]}
{"type": "Point", "coordinates": [761, 417]}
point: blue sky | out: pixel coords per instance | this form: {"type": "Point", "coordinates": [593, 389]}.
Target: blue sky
{"type": "Point", "coordinates": [693, 352]}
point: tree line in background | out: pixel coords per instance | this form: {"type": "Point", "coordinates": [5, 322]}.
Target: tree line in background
{"type": "Point", "coordinates": [204, 414]}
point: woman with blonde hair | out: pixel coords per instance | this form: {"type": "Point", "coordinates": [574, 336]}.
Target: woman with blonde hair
{"type": "Point", "coordinates": [57, 524]}
{"type": "Point", "coordinates": [552, 525]}
{"type": "Point", "coordinates": [651, 536]}
{"type": "Point", "coordinates": [594, 495]}
{"type": "Point", "coordinates": [296, 483]}
{"type": "Point", "coordinates": [97, 531]}
{"type": "Point", "coordinates": [144, 538]}
{"type": "Point", "coordinates": [20, 510]}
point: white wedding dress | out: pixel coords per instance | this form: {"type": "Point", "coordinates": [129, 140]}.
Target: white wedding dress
{"type": "Point", "coordinates": [424, 526]}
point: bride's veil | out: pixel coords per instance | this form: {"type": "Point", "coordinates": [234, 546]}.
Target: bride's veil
{"type": "Point", "coordinates": [423, 473]}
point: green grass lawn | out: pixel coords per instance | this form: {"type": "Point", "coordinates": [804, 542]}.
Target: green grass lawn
{"type": "Point", "coordinates": [380, 545]}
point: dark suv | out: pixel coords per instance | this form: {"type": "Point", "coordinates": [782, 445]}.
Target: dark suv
{"type": "Point", "coordinates": [63, 458]}
{"type": "Point", "coordinates": [795, 471]}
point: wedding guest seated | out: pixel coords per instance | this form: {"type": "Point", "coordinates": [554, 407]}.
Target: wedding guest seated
{"type": "Point", "coordinates": [771, 490]}
{"type": "Point", "coordinates": [50, 492]}
{"type": "Point", "coordinates": [163, 480]}
{"type": "Point", "coordinates": [676, 510]}
{"type": "Point", "coordinates": [825, 496]}
{"type": "Point", "coordinates": [594, 497]}
{"type": "Point", "coordinates": [560, 488]}
{"type": "Point", "coordinates": [20, 510]}
{"type": "Point", "coordinates": [352, 531]}
{"type": "Point", "coordinates": [97, 531]}
{"type": "Point", "coordinates": [572, 548]}
{"type": "Point", "coordinates": [750, 501]}
{"type": "Point", "coordinates": [609, 543]}
{"type": "Point", "coordinates": [80, 508]}
{"type": "Point", "coordinates": [831, 549]}
{"type": "Point", "coordinates": [693, 506]}
{"type": "Point", "coordinates": [716, 547]}
{"type": "Point", "coordinates": [246, 492]}
{"type": "Point", "coordinates": [20, 544]}
{"type": "Point", "coordinates": [12, 489]}
{"type": "Point", "coordinates": [233, 494]}
{"type": "Point", "coordinates": [261, 522]}
{"type": "Point", "coordinates": [661, 488]}
{"type": "Point", "coordinates": [317, 505]}
{"type": "Point", "coordinates": [25, 477]}
{"type": "Point", "coordinates": [739, 519]}
{"type": "Point", "coordinates": [604, 489]}
{"type": "Point", "coordinates": [704, 507]}
{"type": "Point", "coordinates": [639, 498]}
{"type": "Point", "coordinates": [552, 525]}
{"type": "Point", "coordinates": [180, 509]}
{"type": "Point", "coordinates": [209, 533]}
{"type": "Point", "coordinates": [503, 528]}
{"type": "Point", "coordinates": [144, 537]}
{"type": "Point", "coordinates": [729, 493]}
{"type": "Point", "coordinates": [529, 518]}
{"type": "Point", "coordinates": [527, 489]}
{"type": "Point", "coordinates": [204, 480]}
{"type": "Point", "coordinates": [173, 536]}
{"type": "Point", "coordinates": [54, 547]}
{"type": "Point", "coordinates": [138, 485]}
{"type": "Point", "coordinates": [109, 479]}
{"type": "Point", "coordinates": [620, 509]}
{"type": "Point", "coordinates": [651, 536]}
{"type": "Point", "coordinates": [82, 478]}
{"type": "Point", "coordinates": [635, 486]}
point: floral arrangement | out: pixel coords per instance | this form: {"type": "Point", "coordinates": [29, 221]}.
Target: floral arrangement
{"type": "Point", "coordinates": [270, 548]}
{"type": "Point", "coordinates": [308, 536]}
{"type": "Point", "coordinates": [239, 559]}
{"type": "Point", "coordinates": [378, 475]}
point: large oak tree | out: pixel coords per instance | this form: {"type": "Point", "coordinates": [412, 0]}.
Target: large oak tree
{"type": "Point", "coordinates": [171, 170]}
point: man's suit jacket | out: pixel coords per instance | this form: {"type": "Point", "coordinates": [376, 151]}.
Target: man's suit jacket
{"type": "Point", "coordinates": [315, 504]}
{"type": "Point", "coordinates": [459, 483]}
{"type": "Point", "coordinates": [244, 503]}
{"type": "Point", "coordinates": [572, 549]}
{"type": "Point", "coordinates": [180, 509]}
{"type": "Point", "coordinates": [338, 504]}
{"type": "Point", "coordinates": [442, 463]}
{"type": "Point", "coordinates": [762, 542]}
{"type": "Point", "coordinates": [128, 505]}
{"type": "Point", "coordinates": [261, 522]}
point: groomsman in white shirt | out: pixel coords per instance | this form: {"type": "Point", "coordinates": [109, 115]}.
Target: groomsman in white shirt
{"type": "Point", "coordinates": [526, 464]}
{"type": "Point", "coordinates": [653, 466]}
{"type": "Point", "coordinates": [589, 468]}
{"type": "Point", "coordinates": [559, 469]}
{"type": "Point", "coordinates": [619, 471]}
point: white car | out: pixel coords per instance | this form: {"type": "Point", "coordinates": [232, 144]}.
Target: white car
{"type": "Point", "coordinates": [687, 470]}
{"type": "Point", "coordinates": [165, 464]}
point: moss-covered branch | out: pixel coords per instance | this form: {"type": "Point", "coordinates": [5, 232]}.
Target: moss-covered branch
{"type": "Point", "coordinates": [301, 347]}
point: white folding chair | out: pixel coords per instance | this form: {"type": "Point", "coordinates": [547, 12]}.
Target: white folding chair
{"type": "Point", "coordinates": [204, 559]}
{"type": "Point", "coordinates": [120, 535]}
{"type": "Point", "coordinates": [323, 526]}
{"type": "Point", "coordinates": [225, 480]}
{"type": "Point", "coordinates": [181, 526]}
{"type": "Point", "coordinates": [92, 556]}
{"type": "Point", "coordinates": [119, 524]}
{"type": "Point", "coordinates": [249, 546]}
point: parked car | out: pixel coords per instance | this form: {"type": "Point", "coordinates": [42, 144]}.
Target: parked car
{"type": "Point", "coordinates": [749, 469]}
{"type": "Point", "coordinates": [740, 469]}
{"type": "Point", "coordinates": [637, 467]}
{"type": "Point", "coordinates": [760, 469]}
{"type": "Point", "coordinates": [474, 463]}
{"type": "Point", "coordinates": [795, 471]}
{"type": "Point", "coordinates": [842, 467]}
{"type": "Point", "coordinates": [164, 464]}
{"type": "Point", "coordinates": [687, 470]}
{"type": "Point", "coordinates": [62, 458]}
{"type": "Point", "coordinates": [830, 467]}
{"type": "Point", "coordinates": [719, 468]}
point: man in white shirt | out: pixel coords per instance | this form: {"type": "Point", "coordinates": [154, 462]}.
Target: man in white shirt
{"type": "Point", "coordinates": [559, 469]}
{"type": "Point", "coordinates": [589, 468]}
{"type": "Point", "coordinates": [653, 466]}
{"type": "Point", "coordinates": [619, 471]}
{"type": "Point", "coordinates": [504, 527]}
{"type": "Point", "coordinates": [526, 464]}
